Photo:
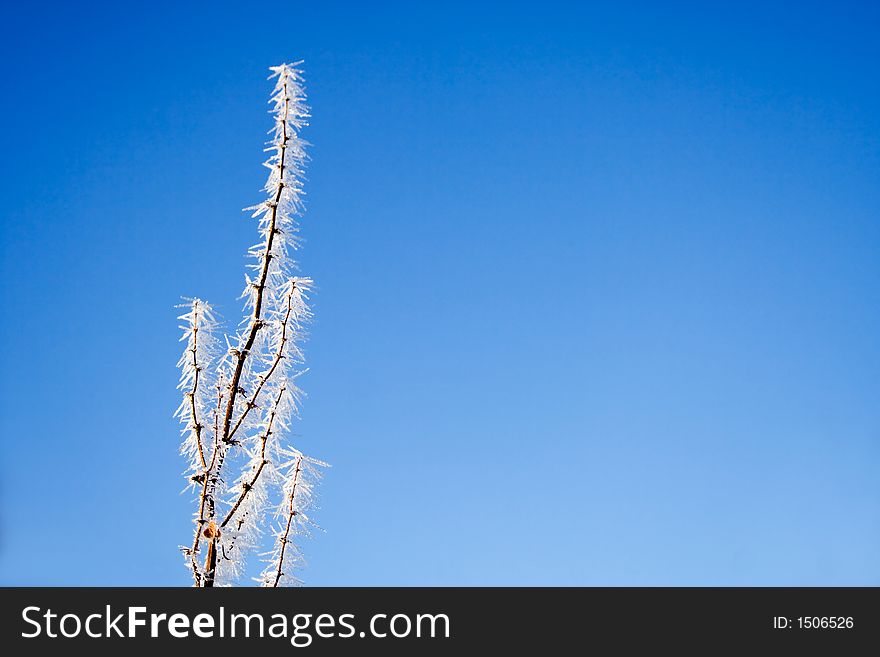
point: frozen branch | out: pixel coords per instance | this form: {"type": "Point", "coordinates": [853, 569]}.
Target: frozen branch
{"type": "Point", "coordinates": [303, 474]}
{"type": "Point", "coordinates": [235, 414]}
{"type": "Point", "coordinates": [295, 312]}
{"type": "Point", "coordinates": [198, 327]}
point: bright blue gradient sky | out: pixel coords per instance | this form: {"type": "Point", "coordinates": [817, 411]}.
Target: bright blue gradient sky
{"type": "Point", "coordinates": [599, 287]}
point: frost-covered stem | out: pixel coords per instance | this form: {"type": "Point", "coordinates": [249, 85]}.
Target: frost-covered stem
{"type": "Point", "coordinates": [207, 510]}
{"type": "Point", "coordinates": [250, 409]}
{"type": "Point", "coordinates": [194, 364]}
{"type": "Point", "coordinates": [291, 514]}
{"type": "Point", "coordinates": [200, 522]}
{"type": "Point", "coordinates": [197, 427]}
{"type": "Point", "coordinates": [206, 499]}
{"type": "Point", "coordinates": [279, 356]}
{"type": "Point", "coordinates": [203, 516]}
{"type": "Point", "coordinates": [264, 439]}
{"type": "Point", "coordinates": [256, 321]}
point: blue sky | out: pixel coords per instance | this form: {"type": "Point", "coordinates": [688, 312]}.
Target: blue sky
{"type": "Point", "coordinates": [599, 286]}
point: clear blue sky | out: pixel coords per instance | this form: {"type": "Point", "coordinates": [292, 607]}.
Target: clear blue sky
{"type": "Point", "coordinates": [599, 287]}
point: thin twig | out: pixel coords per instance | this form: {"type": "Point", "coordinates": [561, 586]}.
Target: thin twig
{"type": "Point", "coordinates": [204, 498]}
{"type": "Point", "coordinates": [279, 356]}
{"type": "Point", "coordinates": [246, 487]}
{"type": "Point", "coordinates": [192, 395]}
{"type": "Point", "coordinates": [291, 514]}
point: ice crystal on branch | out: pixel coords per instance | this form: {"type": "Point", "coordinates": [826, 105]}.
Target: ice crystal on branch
{"type": "Point", "coordinates": [238, 406]}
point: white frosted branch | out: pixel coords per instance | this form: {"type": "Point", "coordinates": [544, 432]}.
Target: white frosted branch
{"type": "Point", "coordinates": [236, 415]}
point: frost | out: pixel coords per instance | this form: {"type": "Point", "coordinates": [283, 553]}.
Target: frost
{"type": "Point", "coordinates": [238, 403]}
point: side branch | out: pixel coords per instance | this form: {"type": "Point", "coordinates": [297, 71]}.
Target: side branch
{"type": "Point", "coordinates": [279, 356]}
{"type": "Point", "coordinates": [246, 487]}
{"type": "Point", "coordinates": [197, 426]}
{"type": "Point", "coordinates": [291, 514]}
